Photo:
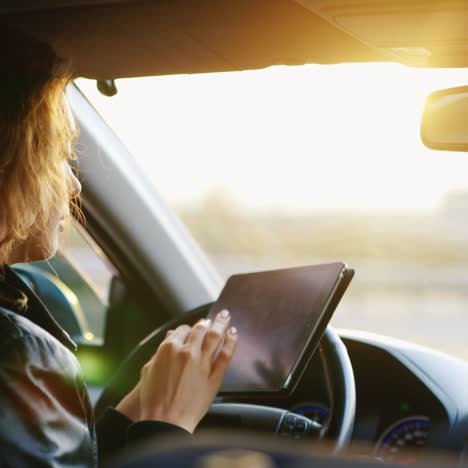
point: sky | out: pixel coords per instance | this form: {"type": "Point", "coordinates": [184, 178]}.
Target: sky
{"type": "Point", "coordinates": [288, 139]}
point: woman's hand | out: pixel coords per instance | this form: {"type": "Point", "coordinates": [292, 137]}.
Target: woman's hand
{"type": "Point", "coordinates": [181, 380]}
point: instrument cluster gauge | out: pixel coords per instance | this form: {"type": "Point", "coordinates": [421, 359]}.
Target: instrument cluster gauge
{"type": "Point", "coordinates": [317, 412]}
{"type": "Point", "coordinates": [401, 442]}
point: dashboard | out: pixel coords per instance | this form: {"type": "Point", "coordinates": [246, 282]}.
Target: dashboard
{"type": "Point", "coordinates": [398, 414]}
{"type": "Point", "coordinates": [411, 401]}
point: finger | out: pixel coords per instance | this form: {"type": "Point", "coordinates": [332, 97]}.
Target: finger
{"type": "Point", "coordinates": [180, 334]}
{"type": "Point", "coordinates": [198, 332]}
{"type": "Point", "coordinates": [215, 335]}
{"type": "Point", "coordinates": [224, 357]}
{"type": "Point", "coordinates": [165, 340]}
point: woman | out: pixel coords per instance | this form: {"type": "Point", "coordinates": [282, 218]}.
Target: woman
{"type": "Point", "coordinates": [45, 414]}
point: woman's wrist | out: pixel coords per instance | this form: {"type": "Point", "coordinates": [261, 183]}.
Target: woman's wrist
{"type": "Point", "coordinates": [159, 414]}
{"type": "Point", "coordinates": [130, 405]}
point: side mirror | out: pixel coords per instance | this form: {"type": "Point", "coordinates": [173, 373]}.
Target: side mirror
{"type": "Point", "coordinates": [444, 123]}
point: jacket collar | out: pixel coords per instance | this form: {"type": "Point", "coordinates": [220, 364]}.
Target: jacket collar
{"type": "Point", "coordinates": [12, 287]}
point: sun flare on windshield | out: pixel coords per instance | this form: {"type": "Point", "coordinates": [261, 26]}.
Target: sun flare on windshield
{"type": "Point", "coordinates": [274, 139]}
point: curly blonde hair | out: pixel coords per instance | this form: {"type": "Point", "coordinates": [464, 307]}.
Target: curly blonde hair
{"type": "Point", "coordinates": [35, 138]}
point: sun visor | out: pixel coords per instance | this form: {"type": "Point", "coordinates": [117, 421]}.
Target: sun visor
{"type": "Point", "coordinates": [139, 38]}
{"type": "Point", "coordinates": [424, 33]}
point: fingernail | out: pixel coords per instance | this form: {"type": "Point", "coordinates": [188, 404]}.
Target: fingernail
{"type": "Point", "coordinates": [233, 331]}
{"type": "Point", "coordinates": [224, 314]}
{"type": "Point", "coordinates": [207, 322]}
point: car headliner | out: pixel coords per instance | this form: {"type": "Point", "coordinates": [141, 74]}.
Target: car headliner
{"type": "Point", "coordinates": [113, 39]}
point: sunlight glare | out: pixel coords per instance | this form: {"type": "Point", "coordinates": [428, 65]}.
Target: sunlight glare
{"type": "Point", "coordinates": [284, 138]}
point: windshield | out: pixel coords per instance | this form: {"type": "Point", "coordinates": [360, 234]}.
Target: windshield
{"type": "Point", "coordinates": [300, 165]}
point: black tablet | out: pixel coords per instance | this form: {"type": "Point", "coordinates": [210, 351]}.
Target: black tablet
{"type": "Point", "coordinates": [281, 316]}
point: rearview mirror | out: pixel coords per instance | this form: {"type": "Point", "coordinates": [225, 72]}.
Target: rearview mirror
{"type": "Point", "coordinates": [444, 123]}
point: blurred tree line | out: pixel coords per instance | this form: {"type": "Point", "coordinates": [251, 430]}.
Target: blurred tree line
{"type": "Point", "coordinates": [222, 228]}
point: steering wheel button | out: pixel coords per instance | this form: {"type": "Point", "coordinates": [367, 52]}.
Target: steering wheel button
{"type": "Point", "coordinates": [289, 429]}
{"type": "Point", "coordinates": [291, 420]}
{"type": "Point", "coordinates": [301, 426]}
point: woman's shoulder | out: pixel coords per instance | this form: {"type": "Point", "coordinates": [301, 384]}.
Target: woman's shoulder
{"type": "Point", "coordinates": [15, 326]}
{"type": "Point", "coordinates": [40, 381]}
{"type": "Point", "coordinates": [12, 326]}
{"type": "Point", "coordinates": [21, 335]}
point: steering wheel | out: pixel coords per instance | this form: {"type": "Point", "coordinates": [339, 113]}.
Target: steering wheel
{"type": "Point", "coordinates": [338, 375]}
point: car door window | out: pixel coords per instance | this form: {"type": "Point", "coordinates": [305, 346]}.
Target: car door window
{"type": "Point", "coordinates": [87, 273]}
